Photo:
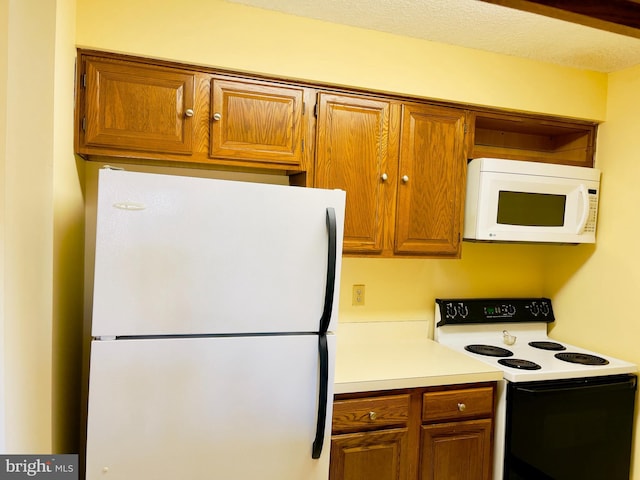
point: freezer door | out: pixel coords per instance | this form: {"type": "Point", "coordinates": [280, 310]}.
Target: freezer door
{"type": "Point", "coordinates": [186, 255]}
{"type": "Point", "coordinates": [202, 408]}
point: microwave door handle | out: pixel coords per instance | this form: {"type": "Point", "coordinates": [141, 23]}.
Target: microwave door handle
{"type": "Point", "coordinates": [582, 190]}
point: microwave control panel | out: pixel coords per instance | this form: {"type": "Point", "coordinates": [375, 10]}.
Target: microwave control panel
{"type": "Point", "coordinates": [593, 211]}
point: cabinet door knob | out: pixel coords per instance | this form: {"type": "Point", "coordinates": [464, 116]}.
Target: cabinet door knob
{"type": "Point", "coordinates": [373, 415]}
{"type": "Point", "coordinates": [462, 407]}
{"type": "Point", "coordinates": [405, 178]}
{"type": "Point", "coordinates": [384, 177]}
{"type": "Point", "coordinates": [189, 112]}
{"type": "Point", "coordinates": [217, 116]}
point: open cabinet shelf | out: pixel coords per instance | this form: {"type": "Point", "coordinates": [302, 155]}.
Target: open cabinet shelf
{"type": "Point", "coordinates": [517, 137]}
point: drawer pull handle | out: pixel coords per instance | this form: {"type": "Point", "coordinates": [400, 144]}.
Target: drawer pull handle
{"type": "Point", "coordinates": [373, 415]}
{"type": "Point", "coordinates": [462, 407]}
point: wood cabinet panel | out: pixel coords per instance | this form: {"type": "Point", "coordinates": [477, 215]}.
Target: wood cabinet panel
{"type": "Point", "coordinates": [403, 168]}
{"type": "Point", "coordinates": [370, 413]}
{"type": "Point", "coordinates": [137, 107]}
{"type": "Point", "coordinates": [256, 121]}
{"type": "Point", "coordinates": [460, 450]}
{"type": "Point", "coordinates": [457, 404]}
{"type": "Point", "coordinates": [352, 154]}
{"type": "Point", "coordinates": [422, 433]}
{"type": "Point", "coordinates": [377, 455]}
{"type": "Point", "coordinates": [431, 172]}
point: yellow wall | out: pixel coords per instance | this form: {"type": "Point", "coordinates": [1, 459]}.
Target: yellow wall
{"type": "Point", "coordinates": [217, 33]}
{"type": "Point", "coordinates": [596, 295]}
{"type": "Point", "coordinates": [4, 71]}
{"type": "Point", "coordinates": [598, 301]}
{"type": "Point", "coordinates": [68, 244]}
{"type": "Point", "coordinates": [41, 223]}
{"type": "Point", "coordinates": [27, 224]}
{"type": "Point", "coordinates": [404, 289]}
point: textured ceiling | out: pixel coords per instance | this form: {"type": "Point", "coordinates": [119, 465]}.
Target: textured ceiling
{"type": "Point", "coordinates": [475, 24]}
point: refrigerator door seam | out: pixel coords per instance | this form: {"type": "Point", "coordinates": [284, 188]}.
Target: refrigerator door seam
{"type": "Point", "coordinates": [202, 335]}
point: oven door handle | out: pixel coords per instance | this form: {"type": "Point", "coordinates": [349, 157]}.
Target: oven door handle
{"type": "Point", "coordinates": [628, 384]}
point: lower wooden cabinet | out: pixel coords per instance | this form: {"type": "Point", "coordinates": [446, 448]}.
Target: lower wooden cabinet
{"type": "Point", "coordinates": [377, 455]}
{"type": "Point", "coordinates": [460, 450]}
{"type": "Point", "coordinates": [435, 433]}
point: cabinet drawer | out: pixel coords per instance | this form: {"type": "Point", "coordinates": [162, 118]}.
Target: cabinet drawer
{"type": "Point", "coordinates": [370, 413]}
{"type": "Point", "coordinates": [457, 404]}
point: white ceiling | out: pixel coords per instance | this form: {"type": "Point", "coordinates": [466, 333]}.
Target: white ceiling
{"type": "Point", "coordinates": [475, 24]}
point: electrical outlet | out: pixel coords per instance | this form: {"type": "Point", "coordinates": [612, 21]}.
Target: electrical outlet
{"type": "Point", "coordinates": [357, 297]}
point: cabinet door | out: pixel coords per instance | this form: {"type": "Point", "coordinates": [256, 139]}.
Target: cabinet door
{"type": "Point", "coordinates": [431, 181]}
{"type": "Point", "coordinates": [256, 122]}
{"type": "Point", "coordinates": [377, 455]}
{"type": "Point", "coordinates": [460, 450]}
{"type": "Point", "coordinates": [352, 154]}
{"type": "Point", "coordinates": [138, 107]}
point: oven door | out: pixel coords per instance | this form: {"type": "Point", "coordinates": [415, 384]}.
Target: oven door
{"type": "Point", "coordinates": [570, 429]}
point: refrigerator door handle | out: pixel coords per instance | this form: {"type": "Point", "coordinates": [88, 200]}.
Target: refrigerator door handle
{"type": "Point", "coordinates": [331, 271]}
{"type": "Point", "coordinates": [322, 395]}
{"type": "Point", "coordinates": [323, 349]}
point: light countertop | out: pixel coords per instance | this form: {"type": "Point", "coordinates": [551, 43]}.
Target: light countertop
{"type": "Point", "coordinates": [389, 355]}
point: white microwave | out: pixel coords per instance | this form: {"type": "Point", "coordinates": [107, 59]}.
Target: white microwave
{"type": "Point", "coordinates": [517, 201]}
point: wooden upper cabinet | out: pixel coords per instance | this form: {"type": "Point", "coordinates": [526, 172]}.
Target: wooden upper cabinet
{"type": "Point", "coordinates": [352, 154]}
{"type": "Point", "coordinates": [431, 181]}
{"type": "Point", "coordinates": [402, 166]}
{"type": "Point", "coordinates": [256, 122]}
{"type": "Point", "coordinates": [135, 107]}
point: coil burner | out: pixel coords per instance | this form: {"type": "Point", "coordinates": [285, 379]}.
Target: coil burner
{"type": "Point", "coordinates": [581, 358]}
{"type": "Point", "coordinates": [519, 363]}
{"type": "Point", "coordinates": [488, 350]}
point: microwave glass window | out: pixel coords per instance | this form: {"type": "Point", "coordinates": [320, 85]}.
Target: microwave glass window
{"type": "Point", "coordinates": [531, 209]}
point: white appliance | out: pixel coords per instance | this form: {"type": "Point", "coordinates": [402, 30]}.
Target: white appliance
{"type": "Point", "coordinates": [515, 201]}
{"type": "Point", "coordinates": [563, 412]}
{"type": "Point", "coordinates": [213, 318]}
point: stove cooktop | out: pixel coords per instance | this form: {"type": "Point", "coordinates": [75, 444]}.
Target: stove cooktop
{"type": "Point", "coordinates": [524, 363]}
{"type": "Point", "coordinates": [511, 334]}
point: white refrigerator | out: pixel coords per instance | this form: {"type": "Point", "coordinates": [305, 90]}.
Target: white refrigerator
{"type": "Point", "coordinates": [214, 308]}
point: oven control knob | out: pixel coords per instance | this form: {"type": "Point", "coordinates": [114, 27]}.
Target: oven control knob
{"type": "Point", "coordinates": [463, 310]}
{"type": "Point", "coordinates": [544, 308]}
{"type": "Point", "coordinates": [450, 310]}
{"type": "Point", "coordinates": [534, 309]}
{"type": "Point", "coordinates": [462, 407]}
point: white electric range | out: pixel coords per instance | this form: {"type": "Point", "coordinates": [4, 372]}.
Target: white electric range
{"type": "Point", "coordinates": [559, 385]}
